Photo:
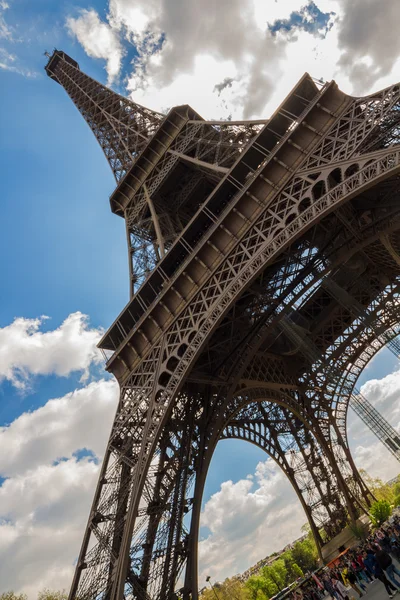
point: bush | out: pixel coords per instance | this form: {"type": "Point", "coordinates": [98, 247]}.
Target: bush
{"type": "Point", "coordinates": [52, 595]}
{"type": "Point", "coordinates": [379, 512]}
{"type": "Point", "coordinates": [358, 530]}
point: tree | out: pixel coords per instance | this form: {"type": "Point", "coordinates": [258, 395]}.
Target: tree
{"type": "Point", "coordinates": [230, 589]}
{"type": "Point", "coordinates": [259, 588]}
{"type": "Point", "coordinates": [292, 568]}
{"type": "Point", "coordinates": [358, 530]}
{"type": "Point", "coordinates": [287, 557]}
{"type": "Point", "coordinates": [380, 511]}
{"type": "Point", "coordinates": [381, 490]}
{"type": "Point", "coordinates": [47, 594]}
{"type": "Point", "coordinates": [396, 493]}
{"type": "Point", "coordinates": [277, 573]}
{"type": "Point", "coordinates": [12, 596]}
{"type": "Point", "coordinates": [297, 571]}
{"type": "Point", "coordinates": [305, 554]}
{"type": "Point", "coordinates": [396, 489]}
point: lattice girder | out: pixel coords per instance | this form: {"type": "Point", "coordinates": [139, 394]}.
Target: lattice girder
{"type": "Point", "coordinates": [177, 338]}
{"type": "Point", "coordinates": [121, 127]}
{"type": "Point", "coordinates": [247, 238]}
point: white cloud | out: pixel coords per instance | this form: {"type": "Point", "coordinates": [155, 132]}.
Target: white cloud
{"type": "Point", "coordinates": [369, 39]}
{"type": "Point", "coordinates": [376, 460]}
{"type": "Point", "coordinates": [248, 520]}
{"type": "Point", "coordinates": [185, 47]}
{"type": "Point", "coordinates": [98, 39]}
{"type": "Point", "coordinates": [43, 515]}
{"type": "Point", "coordinates": [81, 419]}
{"type": "Point", "coordinates": [7, 59]}
{"type": "Point", "coordinates": [383, 394]}
{"type": "Point", "coordinates": [26, 351]}
{"type": "Point", "coordinates": [8, 62]}
{"type": "Point", "coordinates": [5, 30]}
{"type": "Point", "coordinates": [185, 50]}
{"type": "Point", "coordinates": [45, 501]}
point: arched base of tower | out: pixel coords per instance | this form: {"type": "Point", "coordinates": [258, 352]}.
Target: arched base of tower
{"type": "Point", "coordinates": [344, 539]}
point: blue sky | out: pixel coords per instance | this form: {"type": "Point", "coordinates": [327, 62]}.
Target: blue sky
{"type": "Point", "coordinates": [63, 253]}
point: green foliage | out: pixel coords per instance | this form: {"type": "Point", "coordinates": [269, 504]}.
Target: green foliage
{"type": "Point", "coordinates": [43, 595]}
{"type": "Point", "coordinates": [283, 571]}
{"type": "Point", "coordinates": [276, 573]}
{"type": "Point", "coordinates": [47, 594]}
{"type": "Point", "coordinates": [380, 511]}
{"type": "Point", "coordinates": [271, 578]}
{"type": "Point", "coordinates": [381, 490]}
{"type": "Point", "coordinates": [259, 588]}
{"type": "Point", "coordinates": [230, 589]}
{"type": "Point", "coordinates": [292, 568]}
{"type": "Point", "coordinates": [305, 554]}
{"type": "Point", "coordinates": [358, 530]}
{"type": "Point", "coordinates": [396, 501]}
{"type": "Point", "coordinates": [297, 571]}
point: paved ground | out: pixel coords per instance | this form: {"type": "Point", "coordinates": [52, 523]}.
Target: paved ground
{"type": "Point", "coordinates": [376, 591]}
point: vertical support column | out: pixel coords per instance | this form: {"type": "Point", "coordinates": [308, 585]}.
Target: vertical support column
{"type": "Point", "coordinates": [324, 420]}
{"type": "Point", "coordinates": [207, 441]}
{"type": "Point", "coordinates": [159, 547]}
{"type": "Point", "coordinates": [330, 442]}
{"type": "Point", "coordinates": [155, 509]}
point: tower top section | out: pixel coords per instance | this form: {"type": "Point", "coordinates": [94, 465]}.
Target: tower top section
{"type": "Point", "coordinates": [53, 63]}
{"type": "Point", "coordinates": [165, 165]}
{"type": "Point", "coordinates": [121, 127]}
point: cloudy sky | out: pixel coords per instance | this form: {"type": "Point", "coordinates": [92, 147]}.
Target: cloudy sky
{"type": "Point", "coordinates": [63, 257]}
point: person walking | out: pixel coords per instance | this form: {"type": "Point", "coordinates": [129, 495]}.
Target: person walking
{"type": "Point", "coordinates": [349, 579]}
{"type": "Point", "coordinates": [330, 588]}
{"type": "Point", "coordinates": [360, 560]}
{"type": "Point", "coordinates": [368, 558]}
{"type": "Point", "coordinates": [385, 562]}
{"type": "Point", "coordinates": [339, 587]}
{"type": "Point", "coordinates": [358, 570]}
{"type": "Point", "coordinates": [379, 574]}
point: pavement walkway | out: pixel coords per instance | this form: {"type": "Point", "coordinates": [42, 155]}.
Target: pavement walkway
{"type": "Point", "coordinates": [376, 591]}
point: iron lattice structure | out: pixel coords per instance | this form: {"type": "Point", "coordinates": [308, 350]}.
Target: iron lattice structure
{"type": "Point", "coordinates": [264, 260]}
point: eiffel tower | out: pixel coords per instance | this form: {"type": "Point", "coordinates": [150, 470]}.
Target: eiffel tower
{"type": "Point", "coordinates": [264, 262]}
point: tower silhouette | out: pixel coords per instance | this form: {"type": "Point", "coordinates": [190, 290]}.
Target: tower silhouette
{"type": "Point", "coordinates": [264, 268]}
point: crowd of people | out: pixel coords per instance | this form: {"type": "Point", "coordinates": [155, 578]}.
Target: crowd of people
{"type": "Point", "coordinates": [349, 576]}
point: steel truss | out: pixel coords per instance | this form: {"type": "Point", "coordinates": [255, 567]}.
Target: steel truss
{"type": "Point", "coordinates": [264, 260]}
